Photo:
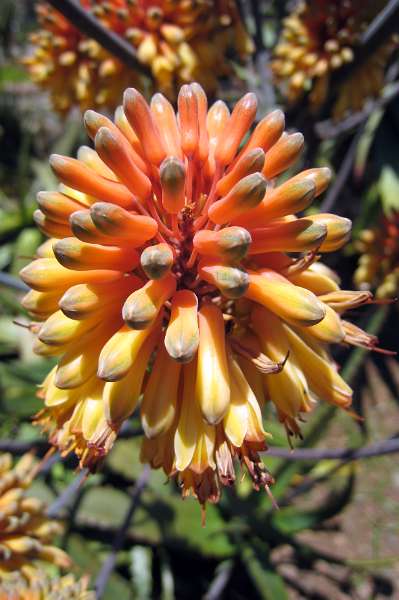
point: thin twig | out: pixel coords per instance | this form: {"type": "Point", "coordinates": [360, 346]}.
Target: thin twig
{"type": "Point", "coordinates": [68, 495]}
{"type": "Point", "coordinates": [92, 27]}
{"type": "Point", "coordinates": [389, 446]}
{"type": "Point", "coordinates": [119, 538]}
{"type": "Point", "coordinates": [388, 16]}
{"type": "Point", "coordinates": [13, 282]}
{"type": "Point", "coordinates": [17, 447]}
{"type": "Point", "coordinates": [328, 129]}
{"type": "Point", "coordinates": [343, 174]}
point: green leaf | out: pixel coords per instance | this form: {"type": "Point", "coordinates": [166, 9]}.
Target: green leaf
{"type": "Point", "coordinates": [389, 190]}
{"type": "Point", "coordinates": [291, 520]}
{"type": "Point", "coordinates": [269, 584]}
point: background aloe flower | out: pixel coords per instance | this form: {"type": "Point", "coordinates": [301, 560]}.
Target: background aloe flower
{"type": "Point", "coordinates": [378, 267]}
{"type": "Point", "coordinates": [169, 247]}
{"type": "Point", "coordinates": [26, 533]}
{"type": "Point", "coordinates": [318, 38]}
{"type": "Point", "coordinates": [44, 587]}
{"type": "Point", "coordinates": [178, 41]}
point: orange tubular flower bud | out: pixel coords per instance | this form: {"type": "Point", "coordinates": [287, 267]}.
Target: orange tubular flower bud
{"type": "Point", "coordinates": [330, 329]}
{"type": "Point", "coordinates": [94, 121]}
{"type": "Point", "coordinates": [266, 133]}
{"type": "Point", "coordinates": [84, 229]}
{"type": "Point", "coordinates": [44, 274]}
{"type": "Point", "coordinates": [296, 236]}
{"type": "Point", "coordinates": [182, 333]}
{"type": "Point", "coordinates": [283, 154]}
{"type": "Point", "coordinates": [230, 243]}
{"type": "Point", "coordinates": [121, 397]}
{"type": "Point", "coordinates": [246, 194]}
{"type": "Point", "coordinates": [157, 260]}
{"type": "Point", "coordinates": [83, 300]}
{"type": "Point", "coordinates": [56, 206]}
{"type": "Point", "coordinates": [165, 120]}
{"type": "Point", "coordinates": [41, 304]}
{"type": "Point", "coordinates": [213, 382]}
{"type": "Point", "coordinates": [142, 307]}
{"type": "Point", "coordinates": [287, 198]}
{"type": "Point", "coordinates": [250, 162]}
{"type": "Point", "coordinates": [202, 106]}
{"type": "Point", "coordinates": [75, 174]}
{"type": "Point", "coordinates": [338, 230]}
{"type": "Point", "coordinates": [60, 329]}
{"type": "Point", "coordinates": [79, 363]}
{"type": "Point", "coordinates": [188, 118]}
{"type": "Point", "coordinates": [286, 300]}
{"type": "Point", "coordinates": [74, 254]}
{"type": "Point", "coordinates": [124, 127]}
{"type": "Point", "coordinates": [139, 116]}
{"type": "Point", "coordinates": [173, 178]}
{"type": "Point", "coordinates": [216, 121]}
{"type": "Point", "coordinates": [231, 281]}
{"type": "Point", "coordinates": [240, 121]}
{"type": "Point", "coordinates": [322, 376]}
{"type": "Point", "coordinates": [90, 158]}
{"type": "Point", "coordinates": [49, 227]}
{"type": "Point", "coordinates": [321, 178]}
{"type": "Point", "coordinates": [159, 402]}
{"type": "Point", "coordinates": [120, 158]}
{"type": "Point", "coordinates": [120, 224]}
{"type": "Point", "coordinates": [318, 283]}
{"type": "Point", "coordinates": [121, 351]}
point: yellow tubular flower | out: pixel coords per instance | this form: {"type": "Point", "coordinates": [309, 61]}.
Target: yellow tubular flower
{"type": "Point", "coordinates": [318, 38]}
{"type": "Point", "coordinates": [227, 315]}
{"type": "Point", "coordinates": [177, 41]}
{"type": "Point", "coordinates": [26, 534]}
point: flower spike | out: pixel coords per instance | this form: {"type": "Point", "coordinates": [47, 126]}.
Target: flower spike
{"type": "Point", "coordinates": [179, 279]}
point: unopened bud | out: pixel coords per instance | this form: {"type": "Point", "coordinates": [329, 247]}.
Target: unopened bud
{"type": "Point", "coordinates": [231, 281]}
{"type": "Point", "coordinates": [173, 178]}
{"type": "Point", "coordinates": [251, 162]}
{"type": "Point", "coordinates": [231, 242]}
{"type": "Point", "coordinates": [156, 260]}
{"type": "Point", "coordinates": [246, 194]}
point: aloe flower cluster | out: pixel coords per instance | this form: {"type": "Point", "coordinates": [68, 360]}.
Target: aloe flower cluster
{"type": "Point", "coordinates": [318, 38]}
{"type": "Point", "coordinates": [178, 282]}
{"type": "Point", "coordinates": [26, 533]}
{"type": "Point", "coordinates": [178, 40]}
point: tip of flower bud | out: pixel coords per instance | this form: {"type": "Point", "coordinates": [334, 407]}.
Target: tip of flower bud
{"type": "Point", "coordinates": [173, 176]}
{"type": "Point", "coordinates": [156, 260]}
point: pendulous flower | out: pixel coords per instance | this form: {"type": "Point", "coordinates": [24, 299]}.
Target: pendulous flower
{"type": "Point", "coordinates": [378, 267]}
{"type": "Point", "coordinates": [318, 38]}
{"type": "Point", "coordinates": [178, 40]}
{"type": "Point", "coordinates": [26, 533]}
{"type": "Point", "coordinates": [174, 244]}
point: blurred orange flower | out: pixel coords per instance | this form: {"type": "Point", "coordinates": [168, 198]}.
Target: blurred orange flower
{"type": "Point", "coordinates": [179, 40]}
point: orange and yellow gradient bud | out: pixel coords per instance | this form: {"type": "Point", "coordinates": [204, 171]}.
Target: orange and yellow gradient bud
{"type": "Point", "coordinates": [197, 267]}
